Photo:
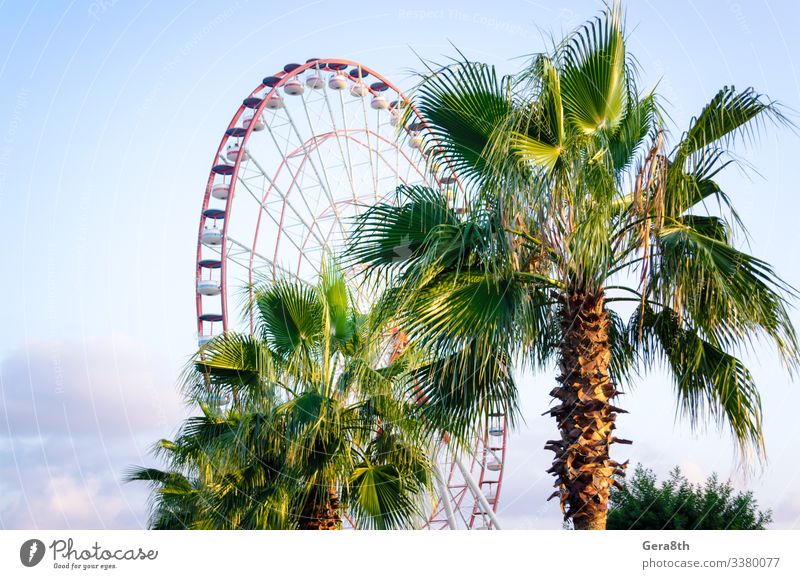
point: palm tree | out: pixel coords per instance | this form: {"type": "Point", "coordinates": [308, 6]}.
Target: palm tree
{"type": "Point", "coordinates": [318, 427]}
{"type": "Point", "coordinates": [577, 215]}
{"type": "Point", "coordinates": [215, 479]}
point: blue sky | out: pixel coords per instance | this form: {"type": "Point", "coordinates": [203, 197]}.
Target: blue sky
{"type": "Point", "coordinates": [110, 112]}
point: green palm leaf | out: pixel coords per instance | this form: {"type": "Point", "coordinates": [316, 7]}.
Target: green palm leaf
{"type": "Point", "coordinates": [388, 235]}
{"type": "Point", "coordinates": [727, 294]}
{"type": "Point", "coordinates": [462, 106]}
{"type": "Point", "coordinates": [641, 118]}
{"type": "Point", "coordinates": [729, 114]}
{"type": "Point", "coordinates": [706, 377]}
{"type": "Point", "coordinates": [290, 317]}
{"type": "Point", "coordinates": [381, 497]}
{"type": "Point", "coordinates": [593, 79]}
{"type": "Point", "coordinates": [539, 133]}
{"type": "Point", "coordinates": [337, 300]}
{"type": "Point", "coordinates": [232, 363]}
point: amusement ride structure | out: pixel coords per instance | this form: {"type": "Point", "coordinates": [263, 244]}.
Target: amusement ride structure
{"type": "Point", "coordinates": [307, 150]}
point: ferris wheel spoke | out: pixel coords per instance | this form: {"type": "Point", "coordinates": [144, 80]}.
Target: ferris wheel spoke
{"type": "Point", "coordinates": [281, 194]}
{"type": "Point", "coordinates": [323, 181]}
{"type": "Point", "coordinates": [478, 494]}
{"type": "Point", "coordinates": [348, 170]}
{"type": "Point", "coordinates": [369, 146]}
{"type": "Point", "coordinates": [347, 144]}
{"type": "Point", "coordinates": [315, 137]}
{"type": "Point", "coordinates": [273, 184]}
{"type": "Point", "coordinates": [232, 255]}
{"type": "Point", "coordinates": [247, 250]}
{"type": "Point", "coordinates": [405, 180]}
{"type": "Point", "coordinates": [444, 495]}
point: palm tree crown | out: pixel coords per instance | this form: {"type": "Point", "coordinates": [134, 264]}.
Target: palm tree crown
{"type": "Point", "coordinates": [584, 238]}
{"type": "Point", "coordinates": [317, 429]}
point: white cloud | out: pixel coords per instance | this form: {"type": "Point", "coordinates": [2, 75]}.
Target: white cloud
{"type": "Point", "coordinates": [75, 416]}
{"type": "Point", "coordinates": [86, 387]}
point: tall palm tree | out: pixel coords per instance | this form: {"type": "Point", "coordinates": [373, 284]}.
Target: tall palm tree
{"type": "Point", "coordinates": [318, 427]}
{"type": "Point", "coordinates": [577, 215]}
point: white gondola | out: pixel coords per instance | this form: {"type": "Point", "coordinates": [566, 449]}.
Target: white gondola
{"type": "Point", "coordinates": [248, 118]}
{"type": "Point", "coordinates": [415, 142]}
{"type": "Point", "coordinates": [211, 236]}
{"type": "Point", "coordinates": [221, 190]}
{"type": "Point", "coordinates": [493, 466]}
{"type": "Point", "coordinates": [337, 81]}
{"type": "Point", "coordinates": [394, 120]}
{"type": "Point", "coordinates": [209, 287]}
{"type": "Point", "coordinates": [496, 431]}
{"type": "Point", "coordinates": [203, 340]}
{"type": "Point", "coordinates": [274, 102]}
{"type": "Point", "coordinates": [232, 152]}
{"type": "Point", "coordinates": [359, 89]}
{"type": "Point", "coordinates": [315, 81]}
{"type": "Point", "coordinates": [379, 103]}
{"type": "Point", "coordinates": [294, 87]}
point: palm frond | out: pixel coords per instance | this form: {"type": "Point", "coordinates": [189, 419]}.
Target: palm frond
{"type": "Point", "coordinates": [730, 114]}
{"type": "Point", "coordinates": [593, 77]}
{"type": "Point", "coordinates": [381, 497]}
{"type": "Point", "coordinates": [458, 391]}
{"type": "Point", "coordinates": [708, 380]}
{"type": "Point", "coordinates": [539, 133]}
{"type": "Point", "coordinates": [232, 363]}
{"type": "Point", "coordinates": [337, 299]}
{"type": "Point", "coordinates": [640, 119]}
{"type": "Point", "coordinates": [686, 190]}
{"type": "Point", "coordinates": [290, 317]}
{"type": "Point", "coordinates": [389, 235]}
{"type": "Point", "coordinates": [729, 296]}
{"type": "Point", "coordinates": [462, 105]}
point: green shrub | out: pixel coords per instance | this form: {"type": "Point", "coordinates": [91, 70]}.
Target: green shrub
{"type": "Point", "coordinates": [676, 504]}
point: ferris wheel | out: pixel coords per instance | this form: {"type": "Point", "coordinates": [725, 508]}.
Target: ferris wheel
{"type": "Point", "coordinates": [304, 153]}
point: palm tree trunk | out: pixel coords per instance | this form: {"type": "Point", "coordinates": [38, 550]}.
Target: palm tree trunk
{"type": "Point", "coordinates": [321, 513]}
{"type": "Point", "coordinates": [585, 417]}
